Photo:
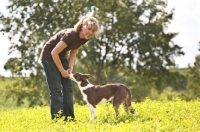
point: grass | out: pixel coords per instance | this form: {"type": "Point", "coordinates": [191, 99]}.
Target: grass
{"type": "Point", "coordinates": [154, 116]}
{"type": "Point", "coordinates": [182, 71]}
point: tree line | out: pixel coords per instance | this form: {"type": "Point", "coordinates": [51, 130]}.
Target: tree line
{"type": "Point", "coordinates": [133, 47]}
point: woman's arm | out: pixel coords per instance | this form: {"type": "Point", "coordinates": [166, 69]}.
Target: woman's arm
{"type": "Point", "coordinates": [55, 55]}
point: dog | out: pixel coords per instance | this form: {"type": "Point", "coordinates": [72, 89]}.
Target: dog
{"type": "Point", "coordinates": [97, 94]}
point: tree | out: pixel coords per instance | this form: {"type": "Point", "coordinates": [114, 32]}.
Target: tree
{"type": "Point", "coordinates": [29, 25]}
{"type": "Point", "coordinates": [133, 40]}
{"type": "Point", "coordinates": [134, 36]}
{"type": "Point", "coordinates": [193, 85]}
{"type": "Point", "coordinates": [13, 64]}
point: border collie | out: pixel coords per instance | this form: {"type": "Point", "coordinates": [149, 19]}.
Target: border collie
{"type": "Point", "coordinates": [97, 94]}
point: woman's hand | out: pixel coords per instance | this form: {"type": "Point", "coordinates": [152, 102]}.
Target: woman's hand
{"type": "Point", "coordinates": [70, 69]}
{"type": "Point", "coordinates": [65, 73]}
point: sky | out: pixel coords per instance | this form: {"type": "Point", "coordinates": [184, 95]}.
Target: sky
{"type": "Point", "coordinates": [186, 22]}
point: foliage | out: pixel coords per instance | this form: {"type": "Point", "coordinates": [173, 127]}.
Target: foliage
{"type": "Point", "coordinates": [193, 85]}
{"type": "Point", "coordinates": [153, 116]}
{"type": "Point", "coordinates": [14, 65]}
{"type": "Point", "coordinates": [133, 42]}
{"type": "Point", "coordinates": [29, 25]}
{"type": "Point", "coordinates": [31, 90]}
{"type": "Point", "coordinates": [2, 78]}
{"type": "Point", "coordinates": [133, 35]}
{"type": "Point", "coordinates": [193, 75]}
{"type": "Point", "coordinates": [167, 94]}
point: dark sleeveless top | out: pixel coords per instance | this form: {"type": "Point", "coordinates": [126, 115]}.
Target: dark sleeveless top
{"type": "Point", "coordinates": [69, 36]}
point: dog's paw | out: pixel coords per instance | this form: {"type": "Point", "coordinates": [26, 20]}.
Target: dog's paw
{"type": "Point", "coordinates": [133, 111]}
{"type": "Point", "coordinates": [136, 112]}
{"type": "Point", "coordinates": [93, 118]}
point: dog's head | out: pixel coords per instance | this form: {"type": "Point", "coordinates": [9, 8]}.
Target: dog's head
{"type": "Point", "coordinates": [80, 78]}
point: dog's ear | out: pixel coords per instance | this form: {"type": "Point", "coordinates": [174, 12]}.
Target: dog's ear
{"type": "Point", "coordinates": [86, 76]}
{"type": "Point", "coordinates": [89, 76]}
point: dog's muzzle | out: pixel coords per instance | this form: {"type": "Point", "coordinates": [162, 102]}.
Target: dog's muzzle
{"type": "Point", "coordinates": [71, 76]}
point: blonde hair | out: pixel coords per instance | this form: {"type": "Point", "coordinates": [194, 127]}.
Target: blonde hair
{"type": "Point", "coordinates": [87, 20]}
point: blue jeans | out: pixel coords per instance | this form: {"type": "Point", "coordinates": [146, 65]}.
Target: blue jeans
{"type": "Point", "coordinates": [61, 90]}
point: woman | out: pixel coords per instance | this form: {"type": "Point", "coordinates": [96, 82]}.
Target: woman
{"type": "Point", "coordinates": [58, 57]}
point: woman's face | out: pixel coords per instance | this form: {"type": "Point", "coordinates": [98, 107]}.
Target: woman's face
{"type": "Point", "coordinates": [88, 31]}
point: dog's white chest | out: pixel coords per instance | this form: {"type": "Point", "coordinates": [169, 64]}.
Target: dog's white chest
{"type": "Point", "coordinates": [104, 100]}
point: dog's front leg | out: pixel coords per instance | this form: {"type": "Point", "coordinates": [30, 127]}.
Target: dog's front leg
{"type": "Point", "coordinates": [92, 112]}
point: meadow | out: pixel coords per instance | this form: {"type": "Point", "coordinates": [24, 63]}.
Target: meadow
{"type": "Point", "coordinates": [153, 116]}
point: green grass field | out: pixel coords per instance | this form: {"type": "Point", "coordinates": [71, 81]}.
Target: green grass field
{"type": "Point", "coordinates": [154, 116]}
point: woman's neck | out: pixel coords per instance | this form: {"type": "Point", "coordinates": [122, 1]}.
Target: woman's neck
{"type": "Point", "coordinates": [81, 35]}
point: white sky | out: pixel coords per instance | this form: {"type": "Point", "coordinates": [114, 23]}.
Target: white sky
{"type": "Point", "coordinates": [186, 21]}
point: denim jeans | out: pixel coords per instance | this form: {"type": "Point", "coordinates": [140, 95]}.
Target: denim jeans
{"type": "Point", "coordinates": [61, 90]}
